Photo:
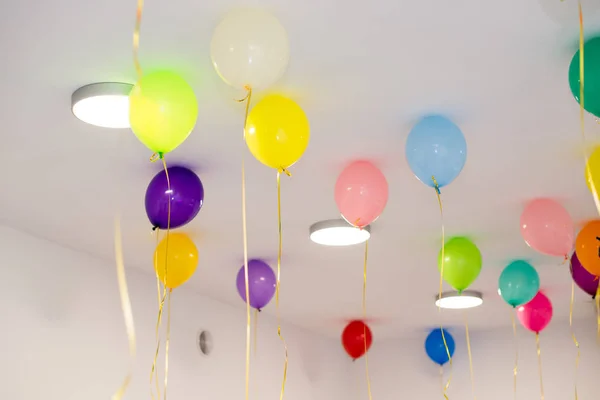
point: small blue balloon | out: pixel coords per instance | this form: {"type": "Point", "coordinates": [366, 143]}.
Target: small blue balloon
{"type": "Point", "coordinates": [518, 283]}
{"type": "Point", "coordinates": [435, 348]}
{"type": "Point", "coordinates": [436, 147]}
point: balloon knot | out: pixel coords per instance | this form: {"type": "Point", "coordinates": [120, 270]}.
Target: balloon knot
{"type": "Point", "coordinates": [157, 156]}
{"type": "Point", "coordinates": [154, 228]}
{"type": "Point", "coordinates": [435, 185]}
{"type": "Point", "coordinates": [285, 171]}
{"type": "Point", "coordinates": [258, 309]}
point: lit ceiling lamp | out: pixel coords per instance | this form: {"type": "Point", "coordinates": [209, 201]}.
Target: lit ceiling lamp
{"type": "Point", "coordinates": [103, 104]}
{"type": "Point", "coordinates": [338, 232]}
{"type": "Point", "coordinates": [455, 300]}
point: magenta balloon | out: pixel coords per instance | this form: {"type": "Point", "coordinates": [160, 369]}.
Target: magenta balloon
{"type": "Point", "coordinates": [586, 281]}
{"type": "Point", "coordinates": [537, 314]}
{"type": "Point", "coordinates": [261, 283]}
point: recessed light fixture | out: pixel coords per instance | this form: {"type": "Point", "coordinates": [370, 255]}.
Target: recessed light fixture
{"type": "Point", "coordinates": [338, 232]}
{"type": "Point", "coordinates": [455, 300]}
{"type": "Point", "coordinates": [103, 104]}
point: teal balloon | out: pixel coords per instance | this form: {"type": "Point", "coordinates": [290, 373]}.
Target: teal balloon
{"type": "Point", "coordinates": [591, 75]}
{"type": "Point", "coordinates": [518, 283]}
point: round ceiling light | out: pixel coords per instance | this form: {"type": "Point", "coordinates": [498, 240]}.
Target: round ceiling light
{"type": "Point", "coordinates": [103, 104]}
{"type": "Point", "coordinates": [455, 300]}
{"type": "Point", "coordinates": [338, 232]}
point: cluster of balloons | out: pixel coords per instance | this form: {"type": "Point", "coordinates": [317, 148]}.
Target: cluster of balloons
{"type": "Point", "coordinates": [357, 339]}
{"type": "Point", "coordinates": [172, 202]}
{"type": "Point", "coordinates": [261, 283]}
{"type": "Point", "coordinates": [250, 50]}
{"type": "Point", "coordinates": [519, 286]}
{"type": "Point", "coordinates": [436, 348]}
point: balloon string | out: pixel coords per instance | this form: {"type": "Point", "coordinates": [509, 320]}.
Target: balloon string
{"type": "Point", "coordinates": [125, 307]}
{"type": "Point", "coordinates": [247, 99]}
{"type": "Point", "coordinates": [255, 328]}
{"type": "Point", "coordinates": [516, 342]}
{"type": "Point", "coordinates": [539, 355]}
{"type": "Point", "coordinates": [439, 199]}
{"type": "Point", "coordinates": [136, 37]}
{"type": "Point", "coordinates": [573, 335]}
{"type": "Point", "coordinates": [154, 370]}
{"type": "Point", "coordinates": [163, 298]}
{"type": "Point", "coordinates": [588, 170]}
{"type": "Point", "coordinates": [167, 340]}
{"type": "Point", "coordinates": [470, 357]}
{"type": "Point", "coordinates": [279, 251]}
{"type": "Point", "coordinates": [364, 310]}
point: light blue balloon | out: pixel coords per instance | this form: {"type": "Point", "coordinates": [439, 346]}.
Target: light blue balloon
{"type": "Point", "coordinates": [436, 147]}
{"type": "Point", "coordinates": [518, 283]}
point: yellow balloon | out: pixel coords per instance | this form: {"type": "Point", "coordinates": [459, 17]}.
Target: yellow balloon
{"type": "Point", "coordinates": [593, 166]}
{"type": "Point", "coordinates": [277, 132]}
{"type": "Point", "coordinates": [175, 259]}
{"type": "Point", "coordinates": [162, 110]}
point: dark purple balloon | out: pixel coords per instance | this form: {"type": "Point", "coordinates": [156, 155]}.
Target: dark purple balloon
{"type": "Point", "coordinates": [186, 196]}
{"type": "Point", "coordinates": [261, 283]}
{"type": "Point", "coordinates": [586, 281]}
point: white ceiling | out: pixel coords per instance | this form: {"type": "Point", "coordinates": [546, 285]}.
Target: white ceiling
{"type": "Point", "coordinates": [364, 73]}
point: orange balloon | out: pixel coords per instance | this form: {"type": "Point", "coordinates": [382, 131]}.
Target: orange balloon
{"type": "Point", "coordinates": [587, 247]}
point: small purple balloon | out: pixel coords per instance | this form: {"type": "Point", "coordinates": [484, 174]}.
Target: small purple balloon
{"type": "Point", "coordinates": [186, 197]}
{"type": "Point", "coordinates": [261, 283]}
{"type": "Point", "coordinates": [586, 281]}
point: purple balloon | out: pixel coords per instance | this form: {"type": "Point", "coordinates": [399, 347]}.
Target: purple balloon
{"type": "Point", "coordinates": [586, 281]}
{"type": "Point", "coordinates": [261, 283]}
{"type": "Point", "coordinates": [186, 197]}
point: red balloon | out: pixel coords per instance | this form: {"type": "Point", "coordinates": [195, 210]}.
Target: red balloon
{"type": "Point", "coordinates": [353, 339]}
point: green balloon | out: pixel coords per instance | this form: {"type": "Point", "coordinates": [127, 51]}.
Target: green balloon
{"type": "Point", "coordinates": [462, 262]}
{"type": "Point", "coordinates": [518, 283]}
{"type": "Point", "coordinates": [591, 75]}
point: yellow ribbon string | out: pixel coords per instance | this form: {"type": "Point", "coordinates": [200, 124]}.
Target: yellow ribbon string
{"type": "Point", "coordinates": [364, 310]}
{"type": "Point", "coordinates": [255, 328]}
{"type": "Point", "coordinates": [167, 340]}
{"type": "Point", "coordinates": [247, 99]}
{"type": "Point", "coordinates": [277, 287]}
{"type": "Point", "coordinates": [154, 370]}
{"type": "Point", "coordinates": [516, 342]}
{"type": "Point", "coordinates": [439, 199]}
{"type": "Point", "coordinates": [163, 298]}
{"type": "Point", "coordinates": [136, 37]}
{"type": "Point", "coordinates": [125, 307]}
{"type": "Point", "coordinates": [539, 355]}
{"type": "Point", "coordinates": [573, 336]}
{"type": "Point", "coordinates": [470, 357]}
{"type": "Point", "coordinates": [582, 122]}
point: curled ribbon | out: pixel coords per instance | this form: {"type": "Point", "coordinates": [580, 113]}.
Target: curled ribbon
{"type": "Point", "coordinates": [125, 307]}
{"type": "Point", "coordinates": [165, 297]}
{"type": "Point", "coordinates": [439, 199]}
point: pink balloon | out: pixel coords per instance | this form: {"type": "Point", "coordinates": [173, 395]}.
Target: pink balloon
{"type": "Point", "coordinates": [536, 314]}
{"type": "Point", "coordinates": [547, 227]}
{"type": "Point", "coordinates": [361, 193]}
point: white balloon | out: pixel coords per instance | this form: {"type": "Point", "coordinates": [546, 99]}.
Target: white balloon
{"type": "Point", "coordinates": [250, 47]}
